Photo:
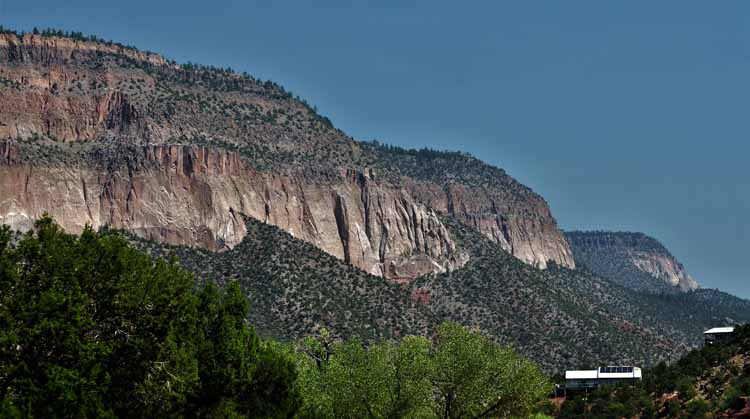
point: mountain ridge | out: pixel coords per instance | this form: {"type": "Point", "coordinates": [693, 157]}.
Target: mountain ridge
{"type": "Point", "coordinates": [71, 93]}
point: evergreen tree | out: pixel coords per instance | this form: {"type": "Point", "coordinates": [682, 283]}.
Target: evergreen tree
{"type": "Point", "coordinates": [90, 327]}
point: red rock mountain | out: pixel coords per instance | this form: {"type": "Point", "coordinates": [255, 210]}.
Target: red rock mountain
{"type": "Point", "coordinates": [102, 134]}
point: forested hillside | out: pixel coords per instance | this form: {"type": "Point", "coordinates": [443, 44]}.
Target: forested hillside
{"type": "Point", "coordinates": [558, 317]}
{"type": "Point", "coordinates": [91, 327]}
{"type": "Point", "coordinates": [546, 313]}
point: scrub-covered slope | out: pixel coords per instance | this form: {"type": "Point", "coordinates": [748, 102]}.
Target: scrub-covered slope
{"type": "Point", "coordinates": [561, 318]}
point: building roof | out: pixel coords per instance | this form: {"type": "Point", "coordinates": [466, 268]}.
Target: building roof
{"type": "Point", "coordinates": [620, 372]}
{"type": "Point", "coordinates": [604, 372]}
{"type": "Point", "coordinates": [717, 330]}
{"type": "Point", "coordinates": [581, 375]}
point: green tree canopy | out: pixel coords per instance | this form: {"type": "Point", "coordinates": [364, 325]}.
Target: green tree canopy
{"type": "Point", "coordinates": [90, 327]}
{"type": "Point", "coordinates": [460, 374]}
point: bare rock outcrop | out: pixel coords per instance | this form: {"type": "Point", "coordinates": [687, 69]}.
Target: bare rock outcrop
{"type": "Point", "coordinates": [664, 267]}
{"type": "Point", "coordinates": [196, 196]}
{"type": "Point", "coordinates": [44, 95]}
{"type": "Point", "coordinates": [525, 229]}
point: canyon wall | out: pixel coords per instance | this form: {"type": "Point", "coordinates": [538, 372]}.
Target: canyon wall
{"type": "Point", "coordinates": [191, 195]}
{"type": "Point", "coordinates": [525, 229]}
{"type": "Point", "coordinates": [73, 91]}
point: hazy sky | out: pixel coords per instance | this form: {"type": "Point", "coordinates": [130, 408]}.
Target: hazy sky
{"type": "Point", "coordinates": [629, 115]}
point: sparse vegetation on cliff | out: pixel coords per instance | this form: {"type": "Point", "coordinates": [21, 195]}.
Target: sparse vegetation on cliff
{"type": "Point", "coordinates": [140, 98]}
{"type": "Point", "coordinates": [440, 167]}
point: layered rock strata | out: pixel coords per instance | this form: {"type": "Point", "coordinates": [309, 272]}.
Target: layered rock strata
{"type": "Point", "coordinates": [81, 91]}
{"type": "Point", "coordinates": [190, 195]}
{"type": "Point", "coordinates": [525, 229]}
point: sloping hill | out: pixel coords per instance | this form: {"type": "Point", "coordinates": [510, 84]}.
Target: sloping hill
{"type": "Point", "coordinates": [558, 317]}
{"type": "Point", "coordinates": [294, 288]}
{"type": "Point", "coordinates": [547, 313]}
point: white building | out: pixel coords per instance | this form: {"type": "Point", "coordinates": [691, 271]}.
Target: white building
{"type": "Point", "coordinates": [717, 334]}
{"type": "Point", "coordinates": [589, 379]}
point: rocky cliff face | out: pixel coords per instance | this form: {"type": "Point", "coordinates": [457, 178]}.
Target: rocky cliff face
{"type": "Point", "coordinates": [248, 142]}
{"type": "Point", "coordinates": [524, 229]}
{"type": "Point", "coordinates": [633, 259]}
{"type": "Point", "coordinates": [666, 268]}
{"type": "Point", "coordinates": [44, 95]}
{"type": "Point", "coordinates": [197, 196]}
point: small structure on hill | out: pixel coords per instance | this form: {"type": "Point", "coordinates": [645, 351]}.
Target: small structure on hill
{"type": "Point", "coordinates": [591, 379]}
{"type": "Point", "coordinates": [717, 335]}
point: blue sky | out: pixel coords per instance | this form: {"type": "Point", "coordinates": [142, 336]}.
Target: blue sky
{"type": "Point", "coordinates": [623, 115]}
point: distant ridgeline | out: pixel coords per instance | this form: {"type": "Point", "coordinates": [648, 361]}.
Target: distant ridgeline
{"type": "Point", "coordinates": [634, 260]}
